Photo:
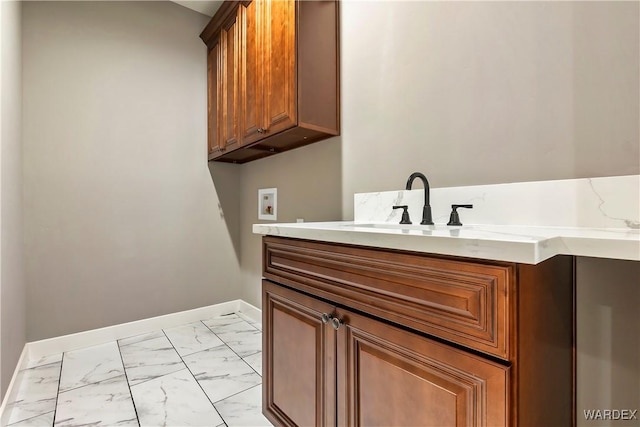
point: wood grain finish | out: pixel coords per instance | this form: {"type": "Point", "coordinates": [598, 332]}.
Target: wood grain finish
{"type": "Point", "coordinates": [214, 98]}
{"type": "Point", "coordinates": [299, 350]}
{"type": "Point", "coordinates": [466, 303]}
{"type": "Point", "coordinates": [390, 377]}
{"type": "Point", "coordinates": [545, 362]}
{"type": "Point", "coordinates": [251, 70]}
{"type": "Point", "coordinates": [230, 37]}
{"type": "Point", "coordinates": [410, 354]}
{"type": "Point", "coordinates": [279, 58]}
{"type": "Point", "coordinates": [280, 76]}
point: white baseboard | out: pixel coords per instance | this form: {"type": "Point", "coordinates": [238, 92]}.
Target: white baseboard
{"type": "Point", "coordinates": [12, 391]}
{"type": "Point", "coordinates": [252, 312]}
{"type": "Point", "coordinates": [124, 330]}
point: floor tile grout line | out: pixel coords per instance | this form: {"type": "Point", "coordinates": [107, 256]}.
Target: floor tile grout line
{"type": "Point", "coordinates": [254, 369]}
{"type": "Point", "coordinates": [202, 349]}
{"type": "Point", "coordinates": [239, 317]}
{"type": "Point", "coordinates": [238, 392]}
{"type": "Point", "coordinates": [126, 379]}
{"type": "Point", "coordinates": [194, 377]}
{"type": "Point", "coordinates": [250, 321]}
{"type": "Point", "coordinates": [234, 352]}
{"type": "Point", "coordinates": [241, 358]}
{"type": "Point", "coordinates": [40, 366]}
{"type": "Point", "coordinates": [88, 384]}
{"type": "Point", "coordinates": [137, 342]}
{"type": "Point", "coordinates": [55, 408]}
{"type": "Point", "coordinates": [163, 375]}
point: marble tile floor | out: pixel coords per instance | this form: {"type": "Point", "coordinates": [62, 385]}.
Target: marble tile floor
{"type": "Point", "coordinates": [206, 373]}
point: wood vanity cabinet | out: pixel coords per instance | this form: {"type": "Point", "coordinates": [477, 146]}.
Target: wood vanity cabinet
{"type": "Point", "coordinates": [273, 77]}
{"type": "Point", "coordinates": [362, 336]}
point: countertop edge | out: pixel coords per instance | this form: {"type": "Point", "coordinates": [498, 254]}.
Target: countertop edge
{"type": "Point", "coordinates": [533, 248]}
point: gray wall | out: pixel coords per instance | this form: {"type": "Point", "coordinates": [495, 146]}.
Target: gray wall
{"type": "Point", "coordinates": [476, 93]}
{"type": "Point", "coordinates": [12, 286]}
{"type": "Point", "coordinates": [122, 219]}
{"type": "Point", "coordinates": [309, 187]}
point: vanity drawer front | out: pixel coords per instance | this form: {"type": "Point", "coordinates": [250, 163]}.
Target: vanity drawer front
{"type": "Point", "coordinates": [464, 302]}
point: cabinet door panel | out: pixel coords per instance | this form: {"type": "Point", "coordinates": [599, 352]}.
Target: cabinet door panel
{"type": "Point", "coordinates": [230, 48]}
{"type": "Point", "coordinates": [280, 47]}
{"type": "Point", "coordinates": [299, 372]}
{"type": "Point", "coordinates": [214, 98]}
{"type": "Point", "coordinates": [388, 376]}
{"type": "Point", "coordinates": [251, 73]}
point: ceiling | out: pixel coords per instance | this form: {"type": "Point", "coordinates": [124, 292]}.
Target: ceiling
{"type": "Point", "coordinates": [207, 7]}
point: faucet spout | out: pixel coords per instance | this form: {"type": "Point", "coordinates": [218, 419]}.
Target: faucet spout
{"type": "Point", "coordinates": [426, 210]}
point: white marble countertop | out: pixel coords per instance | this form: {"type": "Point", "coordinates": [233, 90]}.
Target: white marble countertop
{"type": "Point", "coordinates": [524, 244]}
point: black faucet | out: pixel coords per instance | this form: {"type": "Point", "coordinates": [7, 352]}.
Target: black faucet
{"type": "Point", "coordinates": [426, 210]}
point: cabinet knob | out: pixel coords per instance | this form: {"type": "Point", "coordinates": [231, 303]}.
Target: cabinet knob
{"type": "Point", "coordinates": [261, 130]}
{"type": "Point", "coordinates": [335, 322]}
{"type": "Point", "coordinates": [325, 318]}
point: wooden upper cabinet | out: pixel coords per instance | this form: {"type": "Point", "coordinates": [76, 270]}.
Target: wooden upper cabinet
{"type": "Point", "coordinates": [279, 59]}
{"type": "Point", "coordinates": [278, 82]}
{"type": "Point", "coordinates": [214, 96]}
{"type": "Point", "coordinates": [230, 50]}
{"type": "Point", "coordinates": [223, 84]}
{"type": "Point", "coordinates": [251, 81]}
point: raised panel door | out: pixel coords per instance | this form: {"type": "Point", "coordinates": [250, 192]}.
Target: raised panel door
{"type": "Point", "coordinates": [229, 115]}
{"type": "Point", "coordinates": [388, 376]}
{"type": "Point", "coordinates": [299, 359]}
{"type": "Point", "coordinates": [251, 66]}
{"type": "Point", "coordinates": [280, 65]}
{"type": "Point", "coordinates": [214, 98]}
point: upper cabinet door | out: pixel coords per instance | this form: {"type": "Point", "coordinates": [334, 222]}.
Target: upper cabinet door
{"type": "Point", "coordinates": [251, 66]}
{"type": "Point", "coordinates": [280, 65]}
{"type": "Point", "coordinates": [230, 43]}
{"type": "Point", "coordinates": [214, 98]}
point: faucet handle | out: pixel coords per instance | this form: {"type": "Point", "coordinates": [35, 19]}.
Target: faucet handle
{"type": "Point", "coordinates": [454, 218]}
{"type": "Point", "coordinates": [405, 214]}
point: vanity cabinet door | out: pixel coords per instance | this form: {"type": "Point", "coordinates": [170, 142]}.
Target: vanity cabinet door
{"type": "Point", "coordinates": [387, 376]}
{"type": "Point", "coordinates": [299, 359]}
